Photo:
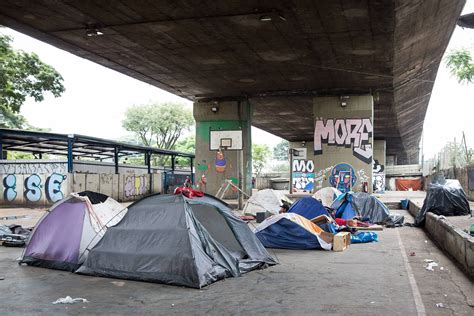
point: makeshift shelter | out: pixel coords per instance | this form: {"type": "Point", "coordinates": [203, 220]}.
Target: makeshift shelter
{"type": "Point", "coordinates": [266, 200]}
{"type": "Point", "coordinates": [327, 195]}
{"type": "Point", "coordinates": [61, 236]}
{"type": "Point", "coordinates": [446, 198]}
{"type": "Point", "coordinates": [361, 204]}
{"type": "Point", "coordinates": [292, 231]}
{"type": "Point", "coordinates": [175, 240]}
{"type": "Point", "coordinates": [308, 208]}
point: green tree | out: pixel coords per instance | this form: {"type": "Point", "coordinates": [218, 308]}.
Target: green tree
{"type": "Point", "coordinates": [260, 156]}
{"type": "Point", "coordinates": [461, 65]}
{"type": "Point", "coordinates": [187, 145]}
{"type": "Point", "coordinates": [280, 151]}
{"type": "Point", "coordinates": [23, 75]}
{"type": "Point", "coordinates": [158, 124]}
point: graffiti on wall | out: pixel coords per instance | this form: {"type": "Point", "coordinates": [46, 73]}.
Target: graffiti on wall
{"type": "Point", "coordinates": [33, 188]}
{"type": "Point", "coordinates": [33, 168]}
{"type": "Point", "coordinates": [343, 177]}
{"type": "Point", "coordinates": [136, 185]}
{"type": "Point", "coordinates": [378, 178]}
{"type": "Point", "coordinates": [349, 133]}
{"type": "Point", "coordinates": [321, 176]}
{"type": "Point", "coordinates": [303, 175]}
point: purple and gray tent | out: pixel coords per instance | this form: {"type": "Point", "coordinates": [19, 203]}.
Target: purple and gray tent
{"type": "Point", "coordinates": [74, 224]}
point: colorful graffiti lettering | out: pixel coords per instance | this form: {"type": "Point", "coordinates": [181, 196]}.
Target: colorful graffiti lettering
{"type": "Point", "coordinates": [53, 187]}
{"type": "Point", "coordinates": [135, 185]}
{"type": "Point", "coordinates": [303, 175]}
{"type": "Point", "coordinates": [220, 162]}
{"type": "Point", "coordinates": [343, 177]}
{"type": "Point", "coordinates": [348, 133]}
{"type": "Point", "coordinates": [9, 182]}
{"type": "Point", "coordinates": [320, 176]}
{"type": "Point", "coordinates": [33, 188]}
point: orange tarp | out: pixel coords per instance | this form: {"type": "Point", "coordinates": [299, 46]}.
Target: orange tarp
{"type": "Point", "coordinates": [406, 184]}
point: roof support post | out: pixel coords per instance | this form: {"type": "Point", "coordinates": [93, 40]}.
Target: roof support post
{"type": "Point", "coordinates": [191, 164]}
{"type": "Point", "coordinates": [173, 163]}
{"type": "Point", "coordinates": [1, 150]}
{"type": "Point", "coordinates": [148, 161]}
{"type": "Point", "coordinates": [116, 158]}
{"type": "Point", "coordinates": [70, 157]}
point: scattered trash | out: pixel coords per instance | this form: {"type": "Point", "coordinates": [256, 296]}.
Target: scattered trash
{"type": "Point", "coordinates": [412, 254]}
{"type": "Point", "coordinates": [430, 266]}
{"type": "Point", "coordinates": [372, 302]}
{"type": "Point", "coordinates": [428, 260]}
{"type": "Point", "coordinates": [70, 300]}
{"type": "Point", "coordinates": [442, 268]}
{"type": "Point", "coordinates": [426, 241]}
{"type": "Point", "coordinates": [445, 295]}
{"type": "Point", "coordinates": [172, 305]}
{"type": "Point", "coordinates": [118, 283]}
{"type": "Point", "coordinates": [2, 278]}
{"type": "Point", "coordinates": [440, 305]}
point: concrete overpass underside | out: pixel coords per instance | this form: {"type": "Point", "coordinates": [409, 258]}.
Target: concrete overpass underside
{"type": "Point", "coordinates": [277, 54]}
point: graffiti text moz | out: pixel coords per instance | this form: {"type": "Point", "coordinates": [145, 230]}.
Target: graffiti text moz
{"type": "Point", "coordinates": [355, 133]}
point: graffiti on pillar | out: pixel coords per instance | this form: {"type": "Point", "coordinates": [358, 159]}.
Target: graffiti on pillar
{"type": "Point", "coordinates": [321, 176]}
{"type": "Point", "coordinates": [220, 162]}
{"type": "Point", "coordinates": [303, 175]}
{"type": "Point", "coordinates": [352, 133]}
{"type": "Point", "coordinates": [363, 178]}
{"type": "Point", "coordinates": [53, 187]}
{"type": "Point", "coordinates": [136, 185]}
{"type": "Point", "coordinates": [9, 192]}
{"type": "Point", "coordinates": [343, 177]}
{"type": "Point", "coordinates": [378, 179]}
{"type": "Point", "coordinates": [33, 188]}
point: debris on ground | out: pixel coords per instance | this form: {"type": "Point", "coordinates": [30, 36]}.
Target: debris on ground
{"type": "Point", "coordinates": [440, 305]}
{"type": "Point", "coordinates": [430, 266]}
{"type": "Point", "coordinates": [70, 300]}
{"type": "Point", "coordinates": [412, 254]}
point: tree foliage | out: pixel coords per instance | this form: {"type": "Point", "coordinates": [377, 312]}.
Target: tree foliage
{"type": "Point", "coordinates": [461, 65]}
{"type": "Point", "coordinates": [158, 124]}
{"type": "Point", "coordinates": [187, 145]}
{"type": "Point", "coordinates": [280, 151]}
{"type": "Point", "coordinates": [23, 75]}
{"type": "Point", "coordinates": [260, 156]}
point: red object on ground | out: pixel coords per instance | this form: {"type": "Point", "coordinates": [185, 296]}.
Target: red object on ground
{"type": "Point", "coordinates": [188, 192]}
{"type": "Point", "coordinates": [340, 221]}
{"type": "Point", "coordinates": [406, 184]}
{"type": "Point", "coordinates": [247, 218]}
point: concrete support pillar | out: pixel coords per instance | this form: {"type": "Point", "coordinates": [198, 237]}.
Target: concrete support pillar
{"type": "Point", "coordinates": [379, 181]}
{"type": "Point", "coordinates": [343, 142]}
{"type": "Point", "coordinates": [213, 167]}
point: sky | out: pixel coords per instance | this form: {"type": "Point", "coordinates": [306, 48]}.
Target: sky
{"type": "Point", "coordinates": [96, 97]}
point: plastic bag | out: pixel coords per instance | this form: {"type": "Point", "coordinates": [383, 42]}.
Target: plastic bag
{"type": "Point", "coordinates": [363, 237]}
{"type": "Point", "coordinates": [70, 300]}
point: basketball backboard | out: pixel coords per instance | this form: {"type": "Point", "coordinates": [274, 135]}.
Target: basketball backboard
{"type": "Point", "coordinates": [227, 140]}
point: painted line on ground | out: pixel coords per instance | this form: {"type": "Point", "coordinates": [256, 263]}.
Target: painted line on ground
{"type": "Point", "coordinates": [420, 307]}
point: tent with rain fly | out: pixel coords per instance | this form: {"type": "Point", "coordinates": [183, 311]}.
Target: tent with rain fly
{"type": "Point", "coordinates": [61, 236]}
{"type": "Point", "coordinates": [308, 208]}
{"type": "Point", "coordinates": [292, 231]}
{"type": "Point", "coordinates": [361, 204]}
{"type": "Point", "coordinates": [266, 200]}
{"type": "Point", "coordinates": [175, 240]}
{"type": "Point", "coordinates": [327, 195]}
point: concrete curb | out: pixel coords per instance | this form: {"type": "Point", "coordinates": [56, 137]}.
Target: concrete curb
{"type": "Point", "coordinates": [448, 237]}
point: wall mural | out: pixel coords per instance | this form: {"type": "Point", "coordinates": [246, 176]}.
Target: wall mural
{"type": "Point", "coordinates": [378, 177]}
{"type": "Point", "coordinates": [34, 190]}
{"type": "Point", "coordinates": [349, 133]}
{"type": "Point", "coordinates": [343, 177]}
{"type": "Point", "coordinates": [303, 175]}
{"type": "Point", "coordinates": [33, 168]}
{"type": "Point", "coordinates": [136, 185]}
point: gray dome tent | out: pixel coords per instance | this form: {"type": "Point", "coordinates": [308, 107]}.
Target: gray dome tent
{"type": "Point", "coordinates": [175, 240]}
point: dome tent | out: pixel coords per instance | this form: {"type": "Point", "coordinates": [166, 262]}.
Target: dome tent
{"type": "Point", "coordinates": [327, 195]}
{"type": "Point", "coordinates": [308, 207]}
{"type": "Point", "coordinates": [61, 236]}
{"type": "Point", "coordinates": [350, 204]}
{"type": "Point", "coordinates": [175, 240]}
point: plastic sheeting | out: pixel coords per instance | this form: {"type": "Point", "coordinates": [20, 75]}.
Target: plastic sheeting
{"type": "Point", "coordinates": [407, 184]}
{"type": "Point", "coordinates": [266, 200]}
{"type": "Point", "coordinates": [447, 198]}
{"type": "Point", "coordinates": [175, 240]}
{"type": "Point", "coordinates": [327, 195]}
{"type": "Point", "coordinates": [308, 207]}
{"type": "Point", "coordinates": [361, 204]}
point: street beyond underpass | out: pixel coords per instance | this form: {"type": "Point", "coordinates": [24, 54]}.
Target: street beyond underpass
{"type": "Point", "coordinates": [387, 277]}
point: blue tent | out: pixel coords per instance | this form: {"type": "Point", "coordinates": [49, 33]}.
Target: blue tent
{"type": "Point", "coordinates": [308, 207]}
{"type": "Point", "coordinates": [361, 204]}
{"type": "Point", "coordinates": [292, 231]}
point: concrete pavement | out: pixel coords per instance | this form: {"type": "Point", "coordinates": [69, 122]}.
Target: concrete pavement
{"type": "Point", "coordinates": [366, 279]}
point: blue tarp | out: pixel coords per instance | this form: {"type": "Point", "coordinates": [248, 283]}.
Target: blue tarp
{"type": "Point", "coordinates": [308, 207]}
{"type": "Point", "coordinates": [280, 231]}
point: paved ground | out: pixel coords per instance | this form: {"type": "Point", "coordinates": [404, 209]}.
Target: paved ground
{"type": "Point", "coordinates": [366, 279]}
